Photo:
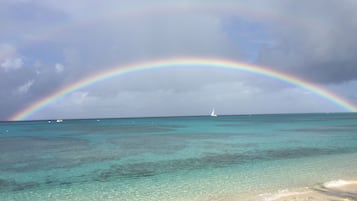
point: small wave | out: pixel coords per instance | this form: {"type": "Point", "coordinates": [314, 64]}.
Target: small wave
{"type": "Point", "coordinates": [281, 194]}
{"type": "Point", "coordinates": [338, 183]}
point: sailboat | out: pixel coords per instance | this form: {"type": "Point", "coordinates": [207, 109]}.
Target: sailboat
{"type": "Point", "coordinates": [213, 114]}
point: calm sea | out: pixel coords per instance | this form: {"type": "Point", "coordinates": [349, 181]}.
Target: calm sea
{"type": "Point", "coordinates": [175, 158]}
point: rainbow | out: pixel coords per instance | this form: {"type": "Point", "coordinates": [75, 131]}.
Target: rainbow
{"type": "Point", "coordinates": [181, 63]}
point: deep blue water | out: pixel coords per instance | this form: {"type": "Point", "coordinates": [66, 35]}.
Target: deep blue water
{"type": "Point", "coordinates": [174, 158]}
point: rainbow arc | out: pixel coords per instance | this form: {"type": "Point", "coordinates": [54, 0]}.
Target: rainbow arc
{"type": "Point", "coordinates": [42, 103]}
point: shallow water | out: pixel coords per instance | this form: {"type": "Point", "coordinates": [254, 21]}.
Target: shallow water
{"type": "Point", "coordinates": [177, 158]}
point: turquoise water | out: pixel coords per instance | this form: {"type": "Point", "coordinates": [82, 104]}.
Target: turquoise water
{"type": "Point", "coordinates": [176, 158]}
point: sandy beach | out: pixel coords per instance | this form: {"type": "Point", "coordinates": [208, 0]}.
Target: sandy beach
{"type": "Point", "coordinates": [339, 190]}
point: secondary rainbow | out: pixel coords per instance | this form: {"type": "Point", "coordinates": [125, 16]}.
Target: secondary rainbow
{"type": "Point", "coordinates": [180, 63]}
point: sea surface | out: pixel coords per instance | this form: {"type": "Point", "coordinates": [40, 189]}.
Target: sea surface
{"type": "Point", "coordinates": [245, 157]}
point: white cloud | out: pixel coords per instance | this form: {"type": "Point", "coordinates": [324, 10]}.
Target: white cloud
{"type": "Point", "coordinates": [59, 67]}
{"type": "Point", "coordinates": [25, 87]}
{"type": "Point", "coordinates": [9, 59]}
{"type": "Point", "coordinates": [12, 64]}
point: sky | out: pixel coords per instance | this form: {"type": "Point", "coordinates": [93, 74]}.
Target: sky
{"type": "Point", "coordinates": [46, 45]}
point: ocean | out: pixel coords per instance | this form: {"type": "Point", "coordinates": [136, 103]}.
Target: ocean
{"type": "Point", "coordinates": [243, 157]}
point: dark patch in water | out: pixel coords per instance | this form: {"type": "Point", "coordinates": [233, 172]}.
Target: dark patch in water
{"type": "Point", "coordinates": [49, 182]}
{"type": "Point", "coordinates": [12, 185]}
{"type": "Point", "coordinates": [24, 186]}
{"type": "Point", "coordinates": [21, 154]}
{"type": "Point", "coordinates": [65, 183]}
{"type": "Point", "coordinates": [6, 185]}
{"type": "Point", "coordinates": [130, 171]}
{"type": "Point", "coordinates": [147, 169]}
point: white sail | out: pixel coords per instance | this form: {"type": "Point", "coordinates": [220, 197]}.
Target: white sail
{"type": "Point", "coordinates": [213, 114]}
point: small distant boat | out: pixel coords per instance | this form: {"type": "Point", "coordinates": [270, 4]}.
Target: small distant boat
{"type": "Point", "coordinates": [59, 120]}
{"type": "Point", "coordinates": [213, 113]}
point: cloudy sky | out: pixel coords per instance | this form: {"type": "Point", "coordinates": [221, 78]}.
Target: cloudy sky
{"type": "Point", "coordinates": [45, 46]}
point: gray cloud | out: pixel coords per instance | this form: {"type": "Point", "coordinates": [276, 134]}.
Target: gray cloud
{"type": "Point", "coordinates": [317, 42]}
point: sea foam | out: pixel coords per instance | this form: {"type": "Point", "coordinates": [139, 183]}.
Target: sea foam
{"type": "Point", "coordinates": [281, 194]}
{"type": "Point", "coordinates": [338, 183]}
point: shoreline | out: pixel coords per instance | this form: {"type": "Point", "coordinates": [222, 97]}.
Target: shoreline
{"type": "Point", "coordinates": [337, 190]}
